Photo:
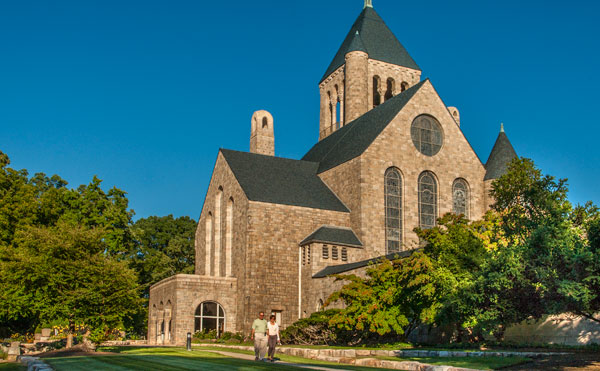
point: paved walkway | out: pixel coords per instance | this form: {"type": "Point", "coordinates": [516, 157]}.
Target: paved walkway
{"type": "Point", "coordinates": [250, 357]}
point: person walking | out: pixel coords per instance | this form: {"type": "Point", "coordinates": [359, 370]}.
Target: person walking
{"type": "Point", "coordinates": [273, 335]}
{"type": "Point", "coordinates": [259, 335]}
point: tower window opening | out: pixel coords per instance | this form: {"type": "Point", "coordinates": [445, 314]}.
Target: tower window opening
{"type": "Point", "coordinates": [265, 123]}
{"type": "Point", "coordinates": [376, 95]}
{"type": "Point", "coordinates": [338, 121]}
{"type": "Point", "coordinates": [403, 86]}
{"type": "Point", "coordinates": [325, 252]}
{"type": "Point", "coordinates": [344, 254]}
{"type": "Point", "coordinates": [389, 91]}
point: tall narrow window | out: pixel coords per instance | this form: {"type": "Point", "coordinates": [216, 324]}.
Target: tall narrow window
{"type": "Point", "coordinates": [208, 244]}
{"type": "Point", "coordinates": [427, 200]}
{"type": "Point", "coordinates": [229, 237]}
{"type": "Point", "coordinates": [218, 199]}
{"type": "Point", "coordinates": [389, 91]}
{"type": "Point", "coordinates": [344, 254]}
{"type": "Point", "coordinates": [460, 197]}
{"type": "Point", "coordinates": [376, 87]}
{"type": "Point", "coordinates": [338, 112]}
{"type": "Point", "coordinates": [393, 210]}
{"type": "Point", "coordinates": [403, 86]}
{"type": "Point", "coordinates": [325, 252]}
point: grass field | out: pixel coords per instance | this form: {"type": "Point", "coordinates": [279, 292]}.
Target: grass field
{"type": "Point", "coordinates": [483, 363]}
{"type": "Point", "coordinates": [172, 359]}
{"type": "Point", "coordinates": [12, 367]}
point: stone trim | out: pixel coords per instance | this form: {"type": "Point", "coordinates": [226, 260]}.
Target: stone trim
{"type": "Point", "coordinates": [191, 278]}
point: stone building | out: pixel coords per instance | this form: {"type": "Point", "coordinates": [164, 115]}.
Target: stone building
{"type": "Point", "coordinates": [391, 156]}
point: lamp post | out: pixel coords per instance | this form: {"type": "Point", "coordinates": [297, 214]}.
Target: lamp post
{"type": "Point", "coordinates": [189, 341]}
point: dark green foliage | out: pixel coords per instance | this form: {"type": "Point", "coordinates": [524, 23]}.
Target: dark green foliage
{"type": "Point", "coordinates": [164, 246]}
{"type": "Point", "coordinates": [312, 330]}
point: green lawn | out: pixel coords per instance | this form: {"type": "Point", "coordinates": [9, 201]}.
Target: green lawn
{"type": "Point", "coordinates": [174, 359]}
{"type": "Point", "coordinates": [481, 363]}
{"type": "Point", "coordinates": [12, 367]}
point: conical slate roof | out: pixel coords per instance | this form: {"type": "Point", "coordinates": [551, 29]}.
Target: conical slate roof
{"type": "Point", "coordinates": [502, 153]}
{"type": "Point", "coordinates": [379, 42]}
{"type": "Point", "coordinates": [356, 45]}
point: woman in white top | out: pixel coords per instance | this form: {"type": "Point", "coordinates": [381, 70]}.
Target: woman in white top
{"type": "Point", "coordinates": [273, 336]}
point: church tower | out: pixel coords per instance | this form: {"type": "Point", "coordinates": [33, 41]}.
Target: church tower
{"type": "Point", "coordinates": [370, 67]}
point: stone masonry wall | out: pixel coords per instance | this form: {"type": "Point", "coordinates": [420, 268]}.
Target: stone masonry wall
{"type": "Point", "coordinates": [387, 70]}
{"type": "Point", "coordinates": [223, 177]}
{"type": "Point", "coordinates": [331, 89]}
{"type": "Point", "coordinates": [316, 290]}
{"type": "Point", "coordinates": [394, 147]}
{"type": "Point", "coordinates": [344, 180]}
{"type": "Point", "coordinates": [273, 256]}
{"type": "Point", "coordinates": [356, 90]}
{"type": "Point", "coordinates": [184, 292]}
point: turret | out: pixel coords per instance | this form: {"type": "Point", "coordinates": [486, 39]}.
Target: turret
{"type": "Point", "coordinates": [497, 164]}
{"type": "Point", "coordinates": [356, 76]}
{"type": "Point", "coordinates": [262, 139]}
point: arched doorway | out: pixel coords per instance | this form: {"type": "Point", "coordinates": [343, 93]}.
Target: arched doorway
{"type": "Point", "coordinates": [209, 316]}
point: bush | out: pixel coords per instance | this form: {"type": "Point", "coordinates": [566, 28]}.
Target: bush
{"type": "Point", "coordinates": [230, 337]}
{"type": "Point", "coordinates": [205, 335]}
{"type": "Point", "coordinates": [3, 355]}
{"type": "Point", "coordinates": [313, 330]}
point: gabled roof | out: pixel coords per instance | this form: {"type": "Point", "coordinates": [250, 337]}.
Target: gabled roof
{"type": "Point", "coordinates": [379, 42]}
{"type": "Point", "coordinates": [280, 180]}
{"type": "Point", "coordinates": [333, 235]}
{"type": "Point", "coordinates": [337, 269]}
{"type": "Point", "coordinates": [353, 139]}
{"type": "Point", "coordinates": [502, 153]}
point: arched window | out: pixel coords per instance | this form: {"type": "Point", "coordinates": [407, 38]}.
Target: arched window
{"type": "Point", "coordinates": [209, 316]}
{"type": "Point", "coordinates": [338, 112]}
{"type": "Point", "coordinates": [218, 199]}
{"type": "Point", "coordinates": [208, 244]}
{"type": "Point", "coordinates": [403, 86]}
{"type": "Point", "coordinates": [427, 200]}
{"type": "Point", "coordinates": [389, 91]}
{"type": "Point", "coordinates": [460, 197]}
{"type": "Point", "coordinates": [376, 87]}
{"type": "Point", "coordinates": [228, 237]}
{"type": "Point", "coordinates": [265, 123]}
{"type": "Point", "coordinates": [393, 210]}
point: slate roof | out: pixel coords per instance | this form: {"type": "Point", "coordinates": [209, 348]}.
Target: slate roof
{"type": "Point", "coordinates": [280, 180]}
{"type": "Point", "coordinates": [353, 139]}
{"type": "Point", "coordinates": [502, 153]}
{"type": "Point", "coordinates": [334, 235]}
{"type": "Point", "coordinates": [337, 269]}
{"type": "Point", "coordinates": [379, 42]}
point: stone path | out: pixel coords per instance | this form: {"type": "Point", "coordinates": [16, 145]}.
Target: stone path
{"type": "Point", "coordinates": [250, 357]}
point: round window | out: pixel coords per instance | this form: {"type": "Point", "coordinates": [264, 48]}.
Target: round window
{"type": "Point", "coordinates": [427, 135]}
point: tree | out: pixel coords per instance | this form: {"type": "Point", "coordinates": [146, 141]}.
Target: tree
{"type": "Point", "coordinates": [393, 299]}
{"type": "Point", "coordinates": [52, 239]}
{"type": "Point", "coordinates": [63, 273]}
{"type": "Point", "coordinates": [164, 246]}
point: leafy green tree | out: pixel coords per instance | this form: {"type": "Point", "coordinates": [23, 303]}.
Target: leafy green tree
{"type": "Point", "coordinates": [164, 246]}
{"type": "Point", "coordinates": [52, 238]}
{"type": "Point", "coordinates": [62, 273]}
{"type": "Point", "coordinates": [393, 298]}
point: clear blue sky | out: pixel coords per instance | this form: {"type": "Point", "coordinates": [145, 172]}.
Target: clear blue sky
{"type": "Point", "coordinates": [143, 93]}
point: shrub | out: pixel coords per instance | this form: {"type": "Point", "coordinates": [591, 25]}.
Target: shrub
{"type": "Point", "coordinates": [205, 335]}
{"type": "Point", "coordinates": [312, 330]}
{"type": "Point", "coordinates": [230, 337]}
